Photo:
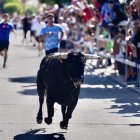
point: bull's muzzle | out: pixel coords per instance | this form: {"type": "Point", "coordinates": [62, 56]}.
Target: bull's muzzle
{"type": "Point", "coordinates": [78, 82]}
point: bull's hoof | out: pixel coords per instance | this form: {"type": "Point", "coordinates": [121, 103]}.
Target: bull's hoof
{"type": "Point", "coordinates": [48, 120]}
{"type": "Point", "coordinates": [39, 118]}
{"type": "Point", "coordinates": [38, 121]}
{"type": "Point", "coordinates": [64, 124]}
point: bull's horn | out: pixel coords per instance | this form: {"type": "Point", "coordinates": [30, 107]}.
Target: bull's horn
{"type": "Point", "coordinates": [61, 55]}
{"type": "Point", "coordinates": [91, 56]}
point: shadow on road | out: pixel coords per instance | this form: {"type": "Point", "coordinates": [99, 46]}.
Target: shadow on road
{"type": "Point", "coordinates": [97, 87]}
{"type": "Point", "coordinates": [32, 91]}
{"type": "Point", "coordinates": [124, 101]}
{"type": "Point", "coordinates": [39, 134]}
{"type": "Point", "coordinates": [29, 89]}
{"type": "Point", "coordinates": [30, 79]}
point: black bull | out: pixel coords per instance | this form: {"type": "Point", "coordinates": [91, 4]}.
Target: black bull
{"type": "Point", "coordinates": [60, 80]}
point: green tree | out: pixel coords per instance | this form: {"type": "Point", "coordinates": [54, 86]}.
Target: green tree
{"type": "Point", "coordinates": [49, 2]}
{"type": "Point", "coordinates": [11, 7]}
{"type": "Point", "coordinates": [30, 9]}
{"type": "Point", "coordinates": [5, 1]}
{"type": "Point", "coordinates": [52, 2]}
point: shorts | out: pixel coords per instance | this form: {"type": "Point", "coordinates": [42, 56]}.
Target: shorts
{"type": "Point", "coordinates": [63, 44]}
{"type": "Point", "coordinates": [4, 45]}
{"type": "Point", "coordinates": [32, 33]}
{"type": "Point", "coordinates": [37, 39]}
{"type": "Point", "coordinates": [54, 50]}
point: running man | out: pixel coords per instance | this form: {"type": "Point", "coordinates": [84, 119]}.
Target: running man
{"type": "Point", "coordinates": [5, 29]}
{"type": "Point", "coordinates": [50, 35]}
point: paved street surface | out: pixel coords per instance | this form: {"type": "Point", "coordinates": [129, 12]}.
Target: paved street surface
{"type": "Point", "coordinates": [105, 111]}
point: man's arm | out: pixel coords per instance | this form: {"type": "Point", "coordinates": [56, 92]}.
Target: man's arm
{"type": "Point", "coordinates": [42, 37]}
{"type": "Point", "coordinates": [61, 36]}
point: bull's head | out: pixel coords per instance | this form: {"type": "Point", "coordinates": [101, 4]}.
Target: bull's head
{"type": "Point", "coordinates": [75, 67]}
{"type": "Point", "coordinates": [75, 63]}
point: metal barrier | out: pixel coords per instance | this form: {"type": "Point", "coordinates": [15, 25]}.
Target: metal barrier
{"type": "Point", "coordinates": [105, 54]}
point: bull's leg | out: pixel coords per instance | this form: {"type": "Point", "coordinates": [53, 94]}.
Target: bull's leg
{"type": "Point", "coordinates": [39, 117]}
{"type": "Point", "coordinates": [68, 114]}
{"type": "Point", "coordinates": [50, 109]}
{"type": "Point", "coordinates": [41, 91]}
{"type": "Point", "coordinates": [63, 110]}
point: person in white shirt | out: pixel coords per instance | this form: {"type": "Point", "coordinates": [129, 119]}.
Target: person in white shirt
{"type": "Point", "coordinates": [37, 29]}
{"type": "Point", "coordinates": [33, 28]}
{"type": "Point", "coordinates": [122, 44]}
{"type": "Point", "coordinates": [65, 29]}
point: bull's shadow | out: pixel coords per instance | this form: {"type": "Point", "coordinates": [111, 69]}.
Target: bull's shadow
{"type": "Point", "coordinates": [96, 87]}
{"type": "Point", "coordinates": [39, 134]}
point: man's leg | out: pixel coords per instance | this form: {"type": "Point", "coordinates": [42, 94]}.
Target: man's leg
{"type": "Point", "coordinates": [5, 55]}
{"type": "Point", "coordinates": [1, 53]}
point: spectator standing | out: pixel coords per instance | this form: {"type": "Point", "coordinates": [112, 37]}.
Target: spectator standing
{"type": "Point", "coordinates": [122, 44]}
{"type": "Point", "coordinates": [136, 37]}
{"type": "Point", "coordinates": [108, 14]}
{"type": "Point", "coordinates": [50, 35]}
{"type": "Point", "coordinates": [5, 29]}
{"type": "Point", "coordinates": [121, 51]}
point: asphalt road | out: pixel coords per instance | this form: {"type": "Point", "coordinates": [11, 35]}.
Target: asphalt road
{"type": "Point", "coordinates": [105, 111]}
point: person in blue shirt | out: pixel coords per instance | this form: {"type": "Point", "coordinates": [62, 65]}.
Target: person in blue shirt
{"type": "Point", "coordinates": [108, 13]}
{"type": "Point", "coordinates": [5, 29]}
{"type": "Point", "coordinates": [51, 34]}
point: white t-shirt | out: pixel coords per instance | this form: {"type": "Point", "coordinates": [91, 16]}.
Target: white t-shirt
{"type": "Point", "coordinates": [34, 24]}
{"type": "Point", "coordinates": [122, 45]}
{"type": "Point", "coordinates": [39, 27]}
{"type": "Point", "coordinates": [52, 41]}
{"type": "Point", "coordinates": [65, 29]}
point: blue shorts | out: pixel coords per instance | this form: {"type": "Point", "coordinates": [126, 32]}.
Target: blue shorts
{"type": "Point", "coordinates": [4, 45]}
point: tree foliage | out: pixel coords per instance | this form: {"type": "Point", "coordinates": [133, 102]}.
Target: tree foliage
{"type": "Point", "coordinates": [5, 1]}
{"type": "Point", "coordinates": [52, 2]}
{"type": "Point", "coordinates": [11, 7]}
{"type": "Point", "coordinates": [30, 9]}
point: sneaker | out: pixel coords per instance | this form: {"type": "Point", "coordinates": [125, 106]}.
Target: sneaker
{"type": "Point", "coordinates": [34, 45]}
{"type": "Point", "coordinates": [4, 66]}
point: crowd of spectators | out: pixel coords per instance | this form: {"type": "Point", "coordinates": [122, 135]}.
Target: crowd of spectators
{"type": "Point", "coordinates": [110, 18]}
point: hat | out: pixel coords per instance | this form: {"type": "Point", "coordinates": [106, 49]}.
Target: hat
{"type": "Point", "coordinates": [50, 15]}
